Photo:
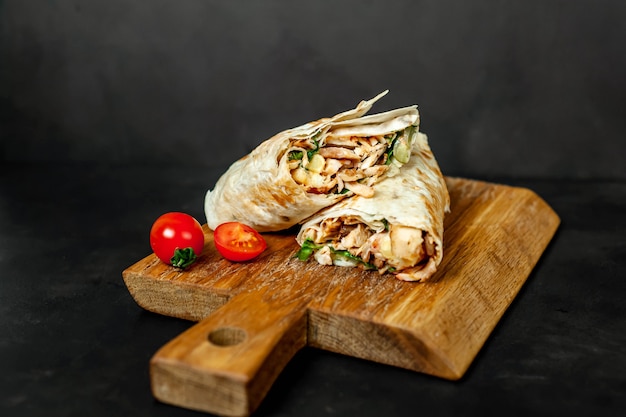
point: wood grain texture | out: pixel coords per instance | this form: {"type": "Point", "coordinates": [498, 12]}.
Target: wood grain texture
{"type": "Point", "coordinates": [255, 316]}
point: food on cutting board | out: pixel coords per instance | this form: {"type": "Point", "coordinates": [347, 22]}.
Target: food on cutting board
{"type": "Point", "coordinates": [398, 230]}
{"type": "Point", "coordinates": [238, 242]}
{"type": "Point", "coordinates": [177, 239]}
{"type": "Point", "coordinates": [300, 171]}
{"type": "Point", "coordinates": [366, 190]}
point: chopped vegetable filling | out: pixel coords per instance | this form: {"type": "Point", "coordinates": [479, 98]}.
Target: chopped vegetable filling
{"type": "Point", "coordinates": [348, 242]}
{"type": "Point", "coordinates": [342, 164]}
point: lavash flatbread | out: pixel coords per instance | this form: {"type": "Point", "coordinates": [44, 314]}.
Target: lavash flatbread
{"type": "Point", "coordinates": [398, 230]}
{"type": "Point", "coordinates": [265, 191]}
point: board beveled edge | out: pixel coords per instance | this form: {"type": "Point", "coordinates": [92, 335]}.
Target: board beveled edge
{"type": "Point", "coordinates": [179, 300]}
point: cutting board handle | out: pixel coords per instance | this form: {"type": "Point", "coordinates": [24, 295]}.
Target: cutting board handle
{"type": "Point", "coordinates": [227, 363]}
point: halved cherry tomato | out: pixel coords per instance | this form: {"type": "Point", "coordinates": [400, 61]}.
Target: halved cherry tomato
{"type": "Point", "coordinates": [177, 239]}
{"type": "Point", "coordinates": [238, 242]}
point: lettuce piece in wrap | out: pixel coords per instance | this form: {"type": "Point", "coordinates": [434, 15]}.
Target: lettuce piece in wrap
{"type": "Point", "coordinates": [398, 230]}
{"type": "Point", "coordinates": [299, 171]}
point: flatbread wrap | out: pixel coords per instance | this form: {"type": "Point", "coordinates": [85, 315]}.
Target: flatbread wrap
{"type": "Point", "coordinates": [398, 230]}
{"type": "Point", "coordinates": [299, 171]}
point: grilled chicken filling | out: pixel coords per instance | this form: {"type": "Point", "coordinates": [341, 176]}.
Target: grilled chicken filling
{"type": "Point", "coordinates": [338, 165]}
{"type": "Point", "coordinates": [349, 242]}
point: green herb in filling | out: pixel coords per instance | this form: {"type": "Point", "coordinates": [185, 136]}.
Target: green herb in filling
{"type": "Point", "coordinates": [295, 155]}
{"type": "Point", "coordinates": [313, 151]}
{"type": "Point", "coordinates": [308, 248]}
{"type": "Point", "coordinates": [399, 147]}
{"type": "Point", "coordinates": [347, 255]}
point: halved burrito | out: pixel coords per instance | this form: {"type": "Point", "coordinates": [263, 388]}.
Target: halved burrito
{"type": "Point", "coordinates": [297, 172]}
{"type": "Point", "coordinates": [398, 230]}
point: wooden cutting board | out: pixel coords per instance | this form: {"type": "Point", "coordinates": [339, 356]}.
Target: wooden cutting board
{"type": "Point", "coordinates": [253, 317]}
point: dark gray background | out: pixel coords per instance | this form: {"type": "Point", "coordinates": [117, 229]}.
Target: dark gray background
{"type": "Point", "coordinates": [114, 112]}
{"type": "Point", "coordinates": [505, 88]}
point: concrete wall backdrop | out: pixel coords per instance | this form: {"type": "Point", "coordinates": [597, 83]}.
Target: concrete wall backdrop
{"type": "Point", "coordinates": [516, 88]}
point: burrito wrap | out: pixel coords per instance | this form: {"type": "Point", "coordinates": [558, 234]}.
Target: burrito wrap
{"type": "Point", "coordinates": [398, 230]}
{"type": "Point", "coordinates": [260, 189]}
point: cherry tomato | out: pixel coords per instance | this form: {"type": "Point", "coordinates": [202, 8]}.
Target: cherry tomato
{"type": "Point", "coordinates": [177, 239]}
{"type": "Point", "coordinates": [238, 242]}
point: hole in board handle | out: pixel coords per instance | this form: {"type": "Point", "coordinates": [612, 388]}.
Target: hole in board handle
{"type": "Point", "coordinates": [227, 336]}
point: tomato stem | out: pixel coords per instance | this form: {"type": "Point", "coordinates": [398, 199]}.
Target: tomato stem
{"type": "Point", "coordinates": [183, 258]}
